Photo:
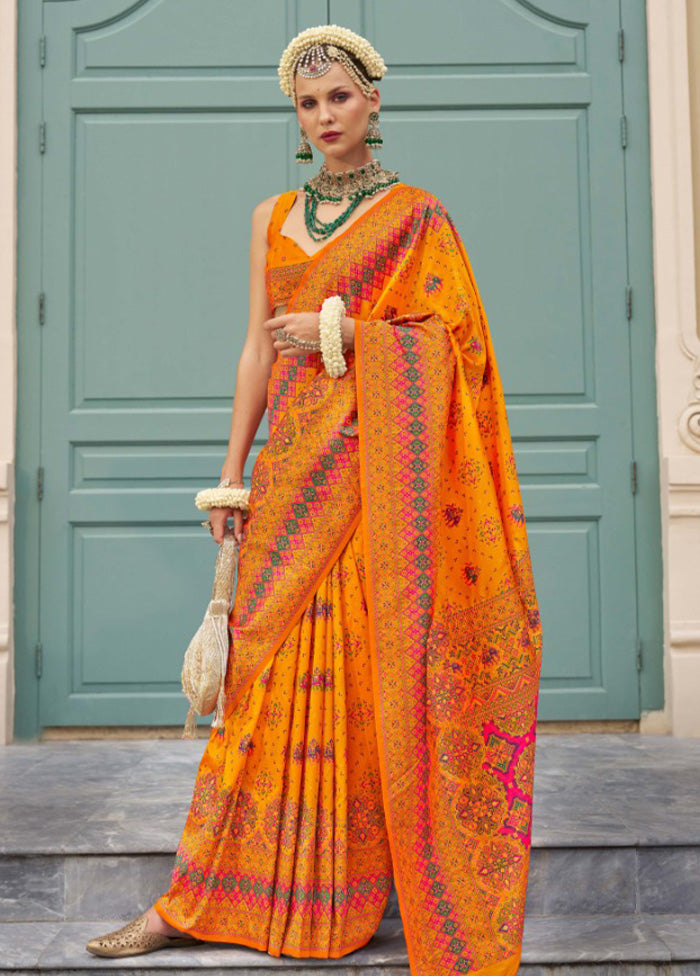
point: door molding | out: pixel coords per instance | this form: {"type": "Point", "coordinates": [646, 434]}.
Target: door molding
{"type": "Point", "coordinates": [681, 466]}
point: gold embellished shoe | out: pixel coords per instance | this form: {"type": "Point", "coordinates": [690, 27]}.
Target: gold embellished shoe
{"type": "Point", "coordinates": [133, 939]}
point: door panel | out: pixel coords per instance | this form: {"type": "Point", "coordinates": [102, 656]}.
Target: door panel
{"type": "Point", "coordinates": [510, 112]}
{"type": "Point", "coordinates": [165, 125]}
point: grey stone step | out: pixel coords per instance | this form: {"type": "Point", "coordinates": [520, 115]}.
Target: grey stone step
{"type": "Point", "coordinates": [563, 881]}
{"type": "Point", "coordinates": [124, 797]}
{"type": "Point", "coordinates": [585, 945]}
{"type": "Point", "coordinates": [88, 831]}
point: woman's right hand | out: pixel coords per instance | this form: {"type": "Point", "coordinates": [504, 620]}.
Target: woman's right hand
{"type": "Point", "coordinates": [219, 518]}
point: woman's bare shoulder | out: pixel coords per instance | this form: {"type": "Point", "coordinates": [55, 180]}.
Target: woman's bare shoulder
{"type": "Point", "coordinates": [263, 210]}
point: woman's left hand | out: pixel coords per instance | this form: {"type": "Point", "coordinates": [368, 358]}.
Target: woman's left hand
{"type": "Point", "coordinates": [302, 325]}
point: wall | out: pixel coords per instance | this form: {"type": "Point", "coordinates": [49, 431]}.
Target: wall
{"type": "Point", "coordinates": [677, 353]}
{"type": "Point", "coordinates": [8, 371]}
{"type": "Point", "coordinates": [694, 73]}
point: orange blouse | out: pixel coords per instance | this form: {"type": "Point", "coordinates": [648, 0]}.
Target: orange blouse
{"type": "Point", "coordinates": [286, 261]}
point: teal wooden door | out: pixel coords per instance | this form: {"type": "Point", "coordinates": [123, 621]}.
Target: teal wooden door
{"type": "Point", "coordinates": [511, 111]}
{"type": "Point", "coordinates": [164, 125]}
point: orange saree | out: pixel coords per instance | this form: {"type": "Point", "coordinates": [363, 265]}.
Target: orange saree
{"type": "Point", "coordinates": [385, 640]}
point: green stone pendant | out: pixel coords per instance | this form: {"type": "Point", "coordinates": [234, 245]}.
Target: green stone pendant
{"type": "Point", "coordinates": [355, 184]}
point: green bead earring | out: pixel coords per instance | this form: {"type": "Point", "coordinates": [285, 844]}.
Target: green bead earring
{"type": "Point", "coordinates": [374, 136]}
{"type": "Point", "coordinates": [304, 154]}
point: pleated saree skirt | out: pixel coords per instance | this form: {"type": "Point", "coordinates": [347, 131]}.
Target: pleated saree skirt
{"type": "Point", "coordinates": [285, 847]}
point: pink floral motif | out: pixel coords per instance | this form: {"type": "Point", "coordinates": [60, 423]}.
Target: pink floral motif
{"type": "Point", "coordinates": [359, 713]}
{"type": "Point", "coordinates": [246, 743]}
{"type": "Point", "coordinates": [244, 815]}
{"type": "Point", "coordinates": [446, 694]}
{"type": "Point", "coordinates": [489, 529]}
{"type": "Point", "coordinates": [322, 680]}
{"type": "Point", "coordinates": [499, 865]}
{"type": "Point", "coordinates": [503, 753]}
{"type": "Point", "coordinates": [470, 573]}
{"type": "Point", "coordinates": [462, 303]}
{"type": "Point", "coordinates": [273, 714]}
{"type": "Point", "coordinates": [263, 783]}
{"type": "Point", "coordinates": [432, 284]}
{"type": "Point", "coordinates": [489, 654]}
{"type": "Point", "coordinates": [452, 514]}
{"type": "Point", "coordinates": [290, 818]}
{"type": "Point", "coordinates": [314, 750]}
{"type": "Point", "coordinates": [477, 810]}
{"type": "Point", "coordinates": [471, 470]}
{"type": "Point", "coordinates": [365, 819]}
{"type": "Point", "coordinates": [271, 820]}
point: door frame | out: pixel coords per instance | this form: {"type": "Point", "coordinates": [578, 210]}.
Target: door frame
{"type": "Point", "coordinates": [645, 436]}
{"type": "Point", "coordinates": [647, 508]}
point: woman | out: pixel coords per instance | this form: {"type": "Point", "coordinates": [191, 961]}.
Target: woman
{"type": "Point", "coordinates": [383, 676]}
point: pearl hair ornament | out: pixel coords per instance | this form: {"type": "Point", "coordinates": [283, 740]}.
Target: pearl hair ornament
{"type": "Point", "coordinates": [311, 52]}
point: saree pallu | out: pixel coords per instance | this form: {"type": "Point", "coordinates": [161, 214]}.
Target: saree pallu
{"type": "Point", "coordinates": [410, 451]}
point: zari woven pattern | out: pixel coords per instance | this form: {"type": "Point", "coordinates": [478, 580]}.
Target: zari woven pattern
{"type": "Point", "coordinates": [411, 449]}
{"type": "Point", "coordinates": [285, 846]}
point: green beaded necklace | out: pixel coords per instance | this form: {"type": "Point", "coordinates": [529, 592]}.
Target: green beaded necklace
{"type": "Point", "coordinates": [355, 184]}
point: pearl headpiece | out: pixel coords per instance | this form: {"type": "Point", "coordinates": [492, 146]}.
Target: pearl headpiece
{"type": "Point", "coordinates": [312, 51]}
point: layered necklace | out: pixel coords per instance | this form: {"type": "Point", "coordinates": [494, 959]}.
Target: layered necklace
{"type": "Point", "coordinates": [355, 184]}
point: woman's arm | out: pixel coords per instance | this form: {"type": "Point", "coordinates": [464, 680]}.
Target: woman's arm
{"type": "Point", "coordinates": [253, 373]}
{"type": "Point", "coordinates": [257, 357]}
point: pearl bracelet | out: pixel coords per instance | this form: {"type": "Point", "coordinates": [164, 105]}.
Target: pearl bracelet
{"type": "Point", "coordinates": [329, 327]}
{"type": "Point", "coordinates": [222, 498]}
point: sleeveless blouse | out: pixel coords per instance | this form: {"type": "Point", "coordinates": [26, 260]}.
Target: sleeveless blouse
{"type": "Point", "coordinates": [286, 262]}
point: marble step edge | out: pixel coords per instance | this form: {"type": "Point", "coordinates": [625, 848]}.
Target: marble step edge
{"type": "Point", "coordinates": [338, 969]}
{"type": "Point", "coordinates": [102, 842]}
{"type": "Point", "coordinates": [587, 881]}
{"type": "Point", "coordinates": [55, 947]}
{"type": "Point", "coordinates": [95, 842]}
{"type": "Point", "coordinates": [605, 969]}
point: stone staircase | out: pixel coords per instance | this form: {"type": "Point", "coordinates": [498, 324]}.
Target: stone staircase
{"type": "Point", "coordinates": [88, 831]}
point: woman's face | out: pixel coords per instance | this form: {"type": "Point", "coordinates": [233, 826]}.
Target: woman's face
{"type": "Point", "coordinates": [334, 103]}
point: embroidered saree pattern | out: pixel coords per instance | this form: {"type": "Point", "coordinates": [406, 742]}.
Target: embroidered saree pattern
{"type": "Point", "coordinates": [455, 628]}
{"type": "Point", "coordinates": [406, 463]}
{"type": "Point", "coordinates": [285, 847]}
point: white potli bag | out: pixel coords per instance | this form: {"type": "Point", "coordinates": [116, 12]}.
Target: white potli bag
{"type": "Point", "coordinates": [206, 658]}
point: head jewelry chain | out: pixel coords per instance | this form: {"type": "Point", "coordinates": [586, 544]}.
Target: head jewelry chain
{"type": "Point", "coordinates": [311, 54]}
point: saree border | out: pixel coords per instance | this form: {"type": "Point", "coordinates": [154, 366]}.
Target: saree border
{"type": "Point", "coordinates": [317, 257]}
{"type": "Point", "coordinates": [295, 617]}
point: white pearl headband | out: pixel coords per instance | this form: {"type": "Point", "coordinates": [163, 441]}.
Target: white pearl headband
{"type": "Point", "coordinates": [330, 43]}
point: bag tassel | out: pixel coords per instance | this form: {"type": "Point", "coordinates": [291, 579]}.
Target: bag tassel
{"type": "Point", "coordinates": [190, 729]}
{"type": "Point", "coordinates": [220, 627]}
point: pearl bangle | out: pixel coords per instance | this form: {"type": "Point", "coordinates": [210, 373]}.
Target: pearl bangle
{"type": "Point", "coordinates": [222, 498]}
{"type": "Point", "coordinates": [329, 327]}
